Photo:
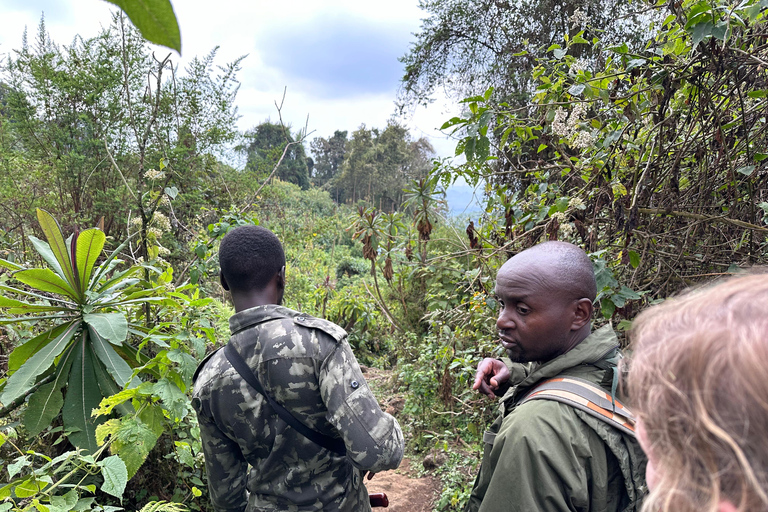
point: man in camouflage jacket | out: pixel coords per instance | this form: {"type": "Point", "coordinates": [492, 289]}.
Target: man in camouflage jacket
{"type": "Point", "coordinates": [307, 366]}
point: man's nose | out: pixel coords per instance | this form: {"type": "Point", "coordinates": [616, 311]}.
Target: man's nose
{"type": "Point", "coordinates": [504, 321]}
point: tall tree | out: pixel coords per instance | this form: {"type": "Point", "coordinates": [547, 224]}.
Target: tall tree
{"type": "Point", "coordinates": [379, 164]}
{"type": "Point", "coordinates": [89, 123]}
{"type": "Point", "coordinates": [266, 144]}
{"type": "Point", "coordinates": [465, 46]}
{"type": "Point", "coordinates": [328, 157]}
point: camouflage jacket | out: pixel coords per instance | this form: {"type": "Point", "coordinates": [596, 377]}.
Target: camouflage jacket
{"type": "Point", "coordinates": [550, 457]}
{"type": "Point", "coordinates": [306, 365]}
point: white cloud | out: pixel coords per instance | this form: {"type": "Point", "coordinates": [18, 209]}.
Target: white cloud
{"type": "Point", "coordinates": [281, 39]}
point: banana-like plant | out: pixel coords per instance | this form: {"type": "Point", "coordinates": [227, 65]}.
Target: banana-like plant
{"type": "Point", "coordinates": [81, 356]}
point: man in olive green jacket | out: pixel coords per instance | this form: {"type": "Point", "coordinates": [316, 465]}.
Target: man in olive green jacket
{"type": "Point", "coordinates": [546, 455]}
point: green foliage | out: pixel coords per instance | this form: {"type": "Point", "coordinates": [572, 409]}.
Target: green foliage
{"type": "Point", "coordinates": [271, 146]}
{"type": "Point", "coordinates": [155, 20]}
{"type": "Point", "coordinates": [377, 165]}
{"type": "Point", "coordinates": [60, 484]}
{"type": "Point", "coordinates": [87, 306]}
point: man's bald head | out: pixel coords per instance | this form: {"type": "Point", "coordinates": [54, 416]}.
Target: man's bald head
{"type": "Point", "coordinates": [563, 268]}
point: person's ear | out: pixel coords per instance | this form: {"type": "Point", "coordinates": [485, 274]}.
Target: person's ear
{"type": "Point", "coordinates": [582, 313]}
{"type": "Point", "coordinates": [223, 281]}
{"type": "Point", "coordinates": [281, 278]}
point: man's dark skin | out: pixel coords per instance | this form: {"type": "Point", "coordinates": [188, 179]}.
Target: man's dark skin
{"type": "Point", "coordinates": [272, 293]}
{"type": "Point", "coordinates": [541, 316]}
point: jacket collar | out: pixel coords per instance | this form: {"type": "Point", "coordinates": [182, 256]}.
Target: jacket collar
{"type": "Point", "coordinates": [259, 314]}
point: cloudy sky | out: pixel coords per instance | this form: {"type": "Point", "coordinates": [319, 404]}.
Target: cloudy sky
{"type": "Point", "coordinates": [337, 58]}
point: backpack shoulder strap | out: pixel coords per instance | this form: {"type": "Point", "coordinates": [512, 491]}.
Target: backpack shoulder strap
{"type": "Point", "coordinates": [335, 445]}
{"type": "Point", "coordinates": [586, 396]}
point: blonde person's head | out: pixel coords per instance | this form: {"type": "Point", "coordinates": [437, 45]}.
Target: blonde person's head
{"type": "Point", "coordinates": [698, 381]}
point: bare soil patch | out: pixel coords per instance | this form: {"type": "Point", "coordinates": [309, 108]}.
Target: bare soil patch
{"type": "Point", "coordinates": [407, 492]}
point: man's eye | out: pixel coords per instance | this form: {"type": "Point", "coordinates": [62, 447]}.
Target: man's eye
{"type": "Point", "coordinates": [523, 310]}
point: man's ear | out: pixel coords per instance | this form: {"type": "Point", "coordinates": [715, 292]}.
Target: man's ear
{"type": "Point", "coordinates": [281, 278]}
{"type": "Point", "coordinates": [582, 313]}
{"type": "Point", "coordinates": [223, 281]}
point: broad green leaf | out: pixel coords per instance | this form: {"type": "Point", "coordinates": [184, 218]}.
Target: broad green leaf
{"type": "Point", "coordinates": [45, 251]}
{"type": "Point", "coordinates": [23, 352]}
{"type": "Point", "coordinates": [116, 400]}
{"type": "Point", "coordinates": [83, 395]}
{"type": "Point", "coordinates": [153, 417]}
{"type": "Point", "coordinates": [28, 293]}
{"type": "Point", "coordinates": [17, 319]}
{"type": "Point", "coordinates": [747, 170]}
{"type": "Point", "coordinates": [106, 429]}
{"type": "Point", "coordinates": [29, 487]}
{"type": "Point", "coordinates": [607, 307]}
{"type": "Point", "coordinates": [57, 244]}
{"type": "Point", "coordinates": [25, 376]}
{"type": "Point", "coordinates": [10, 265]}
{"type": "Point", "coordinates": [112, 326]}
{"type": "Point", "coordinates": [133, 442]}
{"type": "Point", "coordinates": [155, 20]}
{"type": "Point", "coordinates": [83, 504]}
{"type": "Point", "coordinates": [46, 280]}
{"type": "Point", "coordinates": [634, 259]}
{"type": "Point", "coordinates": [64, 503]}
{"type": "Point", "coordinates": [173, 398]}
{"type": "Point", "coordinates": [15, 467]}
{"type": "Point", "coordinates": [700, 32]}
{"type": "Point", "coordinates": [18, 307]}
{"type": "Point", "coordinates": [88, 249]}
{"type": "Point", "coordinates": [119, 370]}
{"type": "Point", "coordinates": [110, 389]}
{"type": "Point", "coordinates": [45, 404]}
{"type": "Point", "coordinates": [115, 476]}
{"type": "Point", "coordinates": [559, 53]}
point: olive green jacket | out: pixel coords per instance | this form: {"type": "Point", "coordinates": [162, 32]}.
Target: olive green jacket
{"type": "Point", "coordinates": [548, 456]}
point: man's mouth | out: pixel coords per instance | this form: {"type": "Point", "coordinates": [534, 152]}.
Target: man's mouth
{"type": "Point", "coordinates": [507, 343]}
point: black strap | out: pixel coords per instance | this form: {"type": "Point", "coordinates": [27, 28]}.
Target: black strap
{"type": "Point", "coordinates": [335, 445]}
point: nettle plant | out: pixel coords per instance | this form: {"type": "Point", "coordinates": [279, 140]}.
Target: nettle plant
{"type": "Point", "coordinates": [80, 356]}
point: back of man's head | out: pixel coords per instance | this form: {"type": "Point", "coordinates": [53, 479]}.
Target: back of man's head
{"type": "Point", "coordinates": [249, 257]}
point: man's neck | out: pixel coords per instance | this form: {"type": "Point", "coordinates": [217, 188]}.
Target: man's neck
{"type": "Point", "coordinates": [248, 300]}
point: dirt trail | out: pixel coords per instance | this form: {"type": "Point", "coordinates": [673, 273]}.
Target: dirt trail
{"type": "Point", "coordinates": [406, 491]}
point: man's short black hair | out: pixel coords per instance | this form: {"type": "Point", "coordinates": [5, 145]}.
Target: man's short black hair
{"type": "Point", "coordinates": [249, 257]}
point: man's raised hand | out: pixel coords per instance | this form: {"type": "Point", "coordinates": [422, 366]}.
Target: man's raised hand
{"type": "Point", "coordinates": [490, 375]}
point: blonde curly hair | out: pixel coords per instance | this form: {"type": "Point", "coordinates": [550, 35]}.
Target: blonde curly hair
{"type": "Point", "coordinates": [698, 383]}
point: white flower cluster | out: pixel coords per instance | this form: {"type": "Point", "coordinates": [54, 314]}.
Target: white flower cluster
{"type": "Point", "coordinates": [578, 18]}
{"type": "Point", "coordinates": [559, 217]}
{"type": "Point", "coordinates": [567, 126]}
{"type": "Point", "coordinates": [136, 221]}
{"type": "Point", "coordinates": [559, 123]}
{"type": "Point", "coordinates": [162, 251]}
{"type": "Point", "coordinates": [161, 221]}
{"type": "Point", "coordinates": [165, 200]}
{"type": "Point", "coordinates": [577, 65]}
{"type": "Point", "coordinates": [583, 140]}
{"type": "Point", "coordinates": [154, 174]}
{"type": "Point", "coordinates": [154, 233]}
{"type": "Point", "coordinates": [566, 229]}
{"type": "Point", "coordinates": [576, 202]}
